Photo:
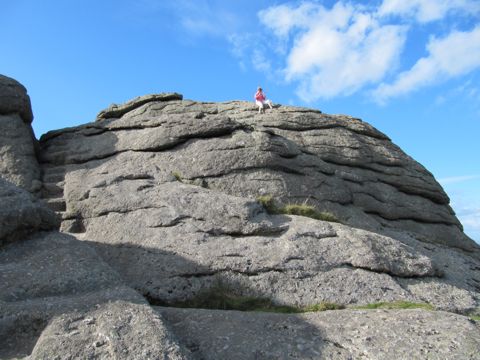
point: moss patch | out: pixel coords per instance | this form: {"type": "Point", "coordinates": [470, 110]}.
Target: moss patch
{"type": "Point", "coordinates": [396, 305]}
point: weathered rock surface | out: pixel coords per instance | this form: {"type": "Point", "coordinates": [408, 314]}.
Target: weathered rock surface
{"type": "Point", "coordinates": [158, 198]}
{"type": "Point", "coordinates": [18, 161]}
{"type": "Point", "coordinates": [294, 260]}
{"type": "Point", "coordinates": [14, 99]}
{"type": "Point", "coordinates": [174, 183]}
{"type": "Point", "coordinates": [116, 330]}
{"type": "Point", "coordinates": [53, 277]}
{"type": "Point", "coordinates": [22, 214]}
{"type": "Point", "coordinates": [117, 110]}
{"type": "Point", "coordinates": [344, 334]}
{"type": "Point", "coordinates": [335, 163]}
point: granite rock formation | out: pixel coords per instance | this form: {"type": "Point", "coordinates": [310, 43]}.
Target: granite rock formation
{"type": "Point", "coordinates": [157, 201]}
{"type": "Point", "coordinates": [18, 160]}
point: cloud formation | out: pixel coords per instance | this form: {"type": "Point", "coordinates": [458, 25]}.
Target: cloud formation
{"type": "Point", "coordinates": [425, 11]}
{"type": "Point", "coordinates": [341, 50]}
{"type": "Point", "coordinates": [456, 54]}
{"type": "Point", "coordinates": [335, 51]}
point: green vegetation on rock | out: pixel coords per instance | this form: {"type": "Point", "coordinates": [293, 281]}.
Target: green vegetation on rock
{"type": "Point", "coordinates": [177, 176]}
{"type": "Point", "coordinates": [295, 209]}
{"type": "Point", "coordinates": [396, 305]}
{"type": "Point", "coordinates": [225, 297]}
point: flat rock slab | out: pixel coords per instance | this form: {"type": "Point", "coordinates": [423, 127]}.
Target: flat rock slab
{"type": "Point", "coordinates": [61, 301]}
{"type": "Point", "coordinates": [116, 330]}
{"type": "Point", "coordinates": [341, 334]}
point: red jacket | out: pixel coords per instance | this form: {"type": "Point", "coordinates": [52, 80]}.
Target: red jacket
{"type": "Point", "coordinates": [260, 96]}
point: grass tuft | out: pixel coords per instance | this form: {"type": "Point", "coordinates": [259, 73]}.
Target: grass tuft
{"type": "Point", "coordinates": [295, 209]}
{"type": "Point", "coordinates": [323, 306]}
{"type": "Point", "coordinates": [177, 176]}
{"type": "Point", "coordinates": [268, 203]}
{"type": "Point", "coordinates": [308, 211]}
{"type": "Point", "coordinates": [396, 305]}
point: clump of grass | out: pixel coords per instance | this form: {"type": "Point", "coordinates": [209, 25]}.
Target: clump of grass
{"type": "Point", "coordinates": [268, 203]}
{"type": "Point", "coordinates": [308, 211]}
{"type": "Point", "coordinates": [396, 305]}
{"type": "Point", "coordinates": [177, 176]}
{"type": "Point", "coordinates": [295, 209]}
{"type": "Point", "coordinates": [323, 306]}
{"type": "Point", "coordinates": [475, 317]}
{"type": "Point", "coordinates": [224, 297]}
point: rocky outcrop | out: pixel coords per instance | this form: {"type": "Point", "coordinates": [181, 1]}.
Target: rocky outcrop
{"type": "Point", "coordinates": [158, 203]}
{"type": "Point", "coordinates": [178, 180]}
{"type": "Point", "coordinates": [59, 300]}
{"type": "Point", "coordinates": [18, 161]}
{"type": "Point", "coordinates": [335, 163]}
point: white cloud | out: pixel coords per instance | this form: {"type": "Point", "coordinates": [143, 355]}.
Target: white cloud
{"type": "Point", "coordinates": [283, 18]}
{"type": "Point", "coordinates": [335, 51]}
{"type": "Point", "coordinates": [456, 54]}
{"type": "Point", "coordinates": [427, 10]}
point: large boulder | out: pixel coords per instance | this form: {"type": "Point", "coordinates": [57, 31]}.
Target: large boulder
{"type": "Point", "coordinates": [18, 162]}
{"type": "Point", "coordinates": [166, 192]}
{"type": "Point", "coordinates": [335, 163]}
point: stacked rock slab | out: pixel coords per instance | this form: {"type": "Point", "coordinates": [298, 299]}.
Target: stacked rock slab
{"type": "Point", "coordinates": [158, 198]}
{"type": "Point", "coordinates": [58, 299]}
{"type": "Point", "coordinates": [18, 162]}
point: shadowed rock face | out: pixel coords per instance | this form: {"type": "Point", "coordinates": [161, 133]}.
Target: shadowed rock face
{"type": "Point", "coordinates": [158, 198]}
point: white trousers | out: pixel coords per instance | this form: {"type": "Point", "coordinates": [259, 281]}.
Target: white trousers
{"type": "Point", "coordinates": [261, 104]}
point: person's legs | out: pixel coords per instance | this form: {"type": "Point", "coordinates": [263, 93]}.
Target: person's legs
{"type": "Point", "coordinates": [260, 106]}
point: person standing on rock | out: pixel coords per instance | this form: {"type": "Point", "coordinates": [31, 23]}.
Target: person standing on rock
{"type": "Point", "coordinates": [261, 100]}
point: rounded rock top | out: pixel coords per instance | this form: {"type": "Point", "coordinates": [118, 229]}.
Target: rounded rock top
{"type": "Point", "coordinates": [14, 99]}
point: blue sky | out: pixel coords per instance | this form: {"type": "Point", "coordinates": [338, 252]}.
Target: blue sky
{"type": "Point", "coordinates": [410, 68]}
